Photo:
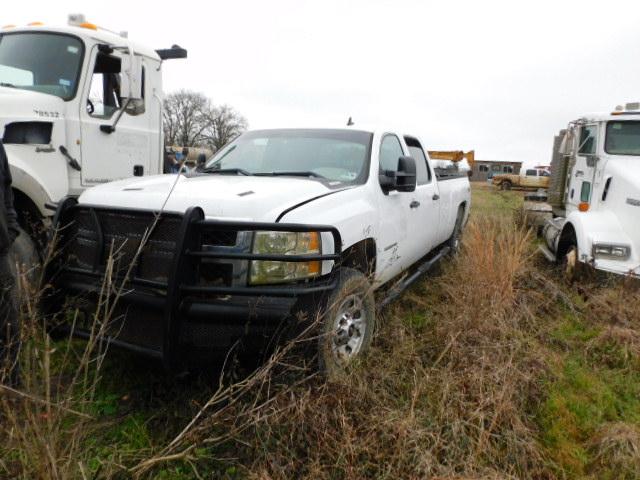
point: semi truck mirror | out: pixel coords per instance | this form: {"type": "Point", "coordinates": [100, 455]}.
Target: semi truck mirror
{"type": "Point", "coordinates": [566, 145]}
{"type": "Point", "coordinates": [131, 86]}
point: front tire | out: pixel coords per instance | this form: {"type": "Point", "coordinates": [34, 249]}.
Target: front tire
{"type": "Point", "coordinates": [348, 321]}
{"type": "Point", "coordinates": [571, 266]}
{"type": "Point", "coordinates": [24, 255]}
{"type": "Point", "coordinates": [506, 185]}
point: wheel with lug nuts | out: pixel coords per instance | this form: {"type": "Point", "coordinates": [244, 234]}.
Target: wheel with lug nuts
{"type": "Point", "coordinates": [347, 323]}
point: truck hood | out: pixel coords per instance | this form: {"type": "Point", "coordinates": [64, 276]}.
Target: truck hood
{"type": "Point", "coordinates": [226, 197]}
{"type": "Point", "coordinates": [18, 104]}
{"type": "Point", "coordinates": [625, 195]}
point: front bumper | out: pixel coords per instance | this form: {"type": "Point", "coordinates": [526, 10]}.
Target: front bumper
{"type": "Point", "coordinates": [180, 280]}
{"type": "Point", "coordinates": [624, 268]}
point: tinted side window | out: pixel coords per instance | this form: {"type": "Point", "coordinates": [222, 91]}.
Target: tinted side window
{"type": "Point", "coordinates": [390, 151]}
{"type": "Point", "coordinates": [104, 93]}
{"type": "Point", "coordinates": [531, 173]}
{"type": "Point", "coordinates": [423, 173]}
{"type": "Point", "coordinates": [585, 192]}
{"type": "Point", "coordinates": [588, 140]}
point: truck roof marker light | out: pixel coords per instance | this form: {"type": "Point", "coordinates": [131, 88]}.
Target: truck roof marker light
{"type": "Point", "coordinates": [35, 24]}
{"type": "Point", "coordinates": [88, 25]}
{"type": "Point", "coordinates": [583, 206]}
{"type": "Point", "coordinates": [6, 27]}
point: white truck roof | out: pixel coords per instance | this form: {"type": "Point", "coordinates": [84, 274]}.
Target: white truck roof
{"type": "Point", "coordinates": [103, 36]}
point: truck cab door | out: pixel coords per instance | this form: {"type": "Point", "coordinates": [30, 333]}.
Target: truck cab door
{"type": "Point", "coordinates": [126, 151]}
{"type": "Point", "coordinates": [580, 183]}
{"type": "Point", "coordinates": [424, 208]}
{"type": "Point", "coordinates": [394, 253]}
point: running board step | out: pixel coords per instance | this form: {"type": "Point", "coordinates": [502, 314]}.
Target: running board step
{"type": "Point", "coordinates": [424, 268]}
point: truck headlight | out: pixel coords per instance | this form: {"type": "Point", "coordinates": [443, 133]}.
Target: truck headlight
{"type": "Point", "coordinates": [617, 252]}
{"type": "Point", "coordinates": [284, 243]}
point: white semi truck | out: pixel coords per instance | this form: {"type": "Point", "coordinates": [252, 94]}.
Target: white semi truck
{"type": "Point", "coordinates": [595, 194]}
{"type": "Point", "coordinates": [79, 106]}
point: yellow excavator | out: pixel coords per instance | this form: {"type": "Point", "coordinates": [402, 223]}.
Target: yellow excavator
{"type": "Point", "coordinates": [454, 156]}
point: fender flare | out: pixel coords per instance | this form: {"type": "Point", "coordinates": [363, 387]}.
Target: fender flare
{"type": "Point", "coordinates": [26, 182]}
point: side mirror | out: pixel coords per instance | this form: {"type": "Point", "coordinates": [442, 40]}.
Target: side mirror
{"type": "Point", "coordinates": [403, 179]}
{"type": "Point", "coordinates": [406, 175]}
{"type": "Point", "coordinates": [131, 86]}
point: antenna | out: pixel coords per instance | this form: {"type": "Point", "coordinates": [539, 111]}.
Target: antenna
{"type": "Point", "coordinates": [350, 122]}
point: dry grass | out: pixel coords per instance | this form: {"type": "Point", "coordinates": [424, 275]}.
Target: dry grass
{"type": "Point", "coordinates": [616, 449]}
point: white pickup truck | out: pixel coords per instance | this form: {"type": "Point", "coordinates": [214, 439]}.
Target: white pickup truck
{"type": "Point", "coordinates": [276, 222]}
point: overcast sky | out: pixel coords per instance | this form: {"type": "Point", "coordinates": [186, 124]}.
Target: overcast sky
{"type": "Point", "coordinates": [497, 77]}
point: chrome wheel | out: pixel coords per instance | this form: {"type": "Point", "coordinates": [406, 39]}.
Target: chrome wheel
{"type": "Point", "coordinates": [349, 329]}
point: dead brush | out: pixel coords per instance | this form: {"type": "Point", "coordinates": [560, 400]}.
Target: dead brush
{"type": "Point", "coordinates": [619, 304]}
{"type": "Point", "coordinates": [47, 418]}
{"type": "Point", "coordinates": [616, 449]}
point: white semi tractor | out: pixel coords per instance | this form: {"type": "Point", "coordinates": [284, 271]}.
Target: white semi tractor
{"type": "Point", "coordinates": [595, 194]}
{"type": "Point", "coordinates": [79, 106]}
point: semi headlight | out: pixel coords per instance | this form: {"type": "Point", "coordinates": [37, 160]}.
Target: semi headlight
{"type": "Point", "coordinates": [617, 252]}
{"type": "Point", "coordinates": [284, 243]}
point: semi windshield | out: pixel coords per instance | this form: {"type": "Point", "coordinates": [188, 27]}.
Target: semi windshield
{"type": "Point", "coordinates": [623, 138]}
{"type": "Point", "coordinates": [42, 62]}
{"type": "Point", "coordinates": [334, 155]}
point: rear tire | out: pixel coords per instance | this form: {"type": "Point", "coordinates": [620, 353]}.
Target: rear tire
{"type": "Point", "coordinates": [506, 185]}
{"type": "Point", "coordinates": [455, 240]}
{"type": "Point", "coordinates": [347, 323]}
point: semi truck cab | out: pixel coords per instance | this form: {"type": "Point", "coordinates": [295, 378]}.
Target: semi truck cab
{"type": "Point", "coordinates": [595, 193]}
{"type": "Point", "coordinates": [79, 106]}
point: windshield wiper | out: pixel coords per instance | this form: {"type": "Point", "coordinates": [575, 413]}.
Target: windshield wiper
{"type": "Point", "coordinates": [293, 174]}
{"type": "Point", "coordinates": [237, 171]}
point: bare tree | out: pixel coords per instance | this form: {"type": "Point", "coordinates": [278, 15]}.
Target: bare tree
{"type": "Point", "coordinates": [191, 119]}
{"type": "Point", "coordinates": [224, 124]}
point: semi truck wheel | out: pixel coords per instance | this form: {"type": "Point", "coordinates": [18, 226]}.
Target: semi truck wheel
{"type": "Point", "coordinates": [25, 256]}
{"type": "Point", "coordinates": [571, 266]}
{"type": "Point", "coordinates": [506, 185]}
{"type": "Point", "coordinates": [347, 323]}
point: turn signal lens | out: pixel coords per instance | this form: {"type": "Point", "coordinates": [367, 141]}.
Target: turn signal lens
{"type": "Point", "coordinates": [583, 206]}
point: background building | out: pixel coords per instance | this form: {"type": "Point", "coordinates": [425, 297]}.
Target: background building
{"type": "Point", "coordinates": [485, 169]}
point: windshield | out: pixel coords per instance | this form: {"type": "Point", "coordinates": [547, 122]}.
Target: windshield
{"type": "Point", "coordinates": [623, 138]}
{"type": "Point", "coordinates": [42, 62]}
{"type": "Point", "coordinates": [331, 155]}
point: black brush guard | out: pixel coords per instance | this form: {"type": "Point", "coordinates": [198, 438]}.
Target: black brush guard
{"type": "Point", "coordinates": [176, 289]}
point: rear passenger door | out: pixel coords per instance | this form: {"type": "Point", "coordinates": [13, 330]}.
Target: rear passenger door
{"type": "Point", "coordinates": [424, 208]}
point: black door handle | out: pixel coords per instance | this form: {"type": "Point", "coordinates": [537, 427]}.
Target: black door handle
{"type": "Point", "coordinates": [414, 204]}
{"type": "Point", "coordinates": [436, 196]}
